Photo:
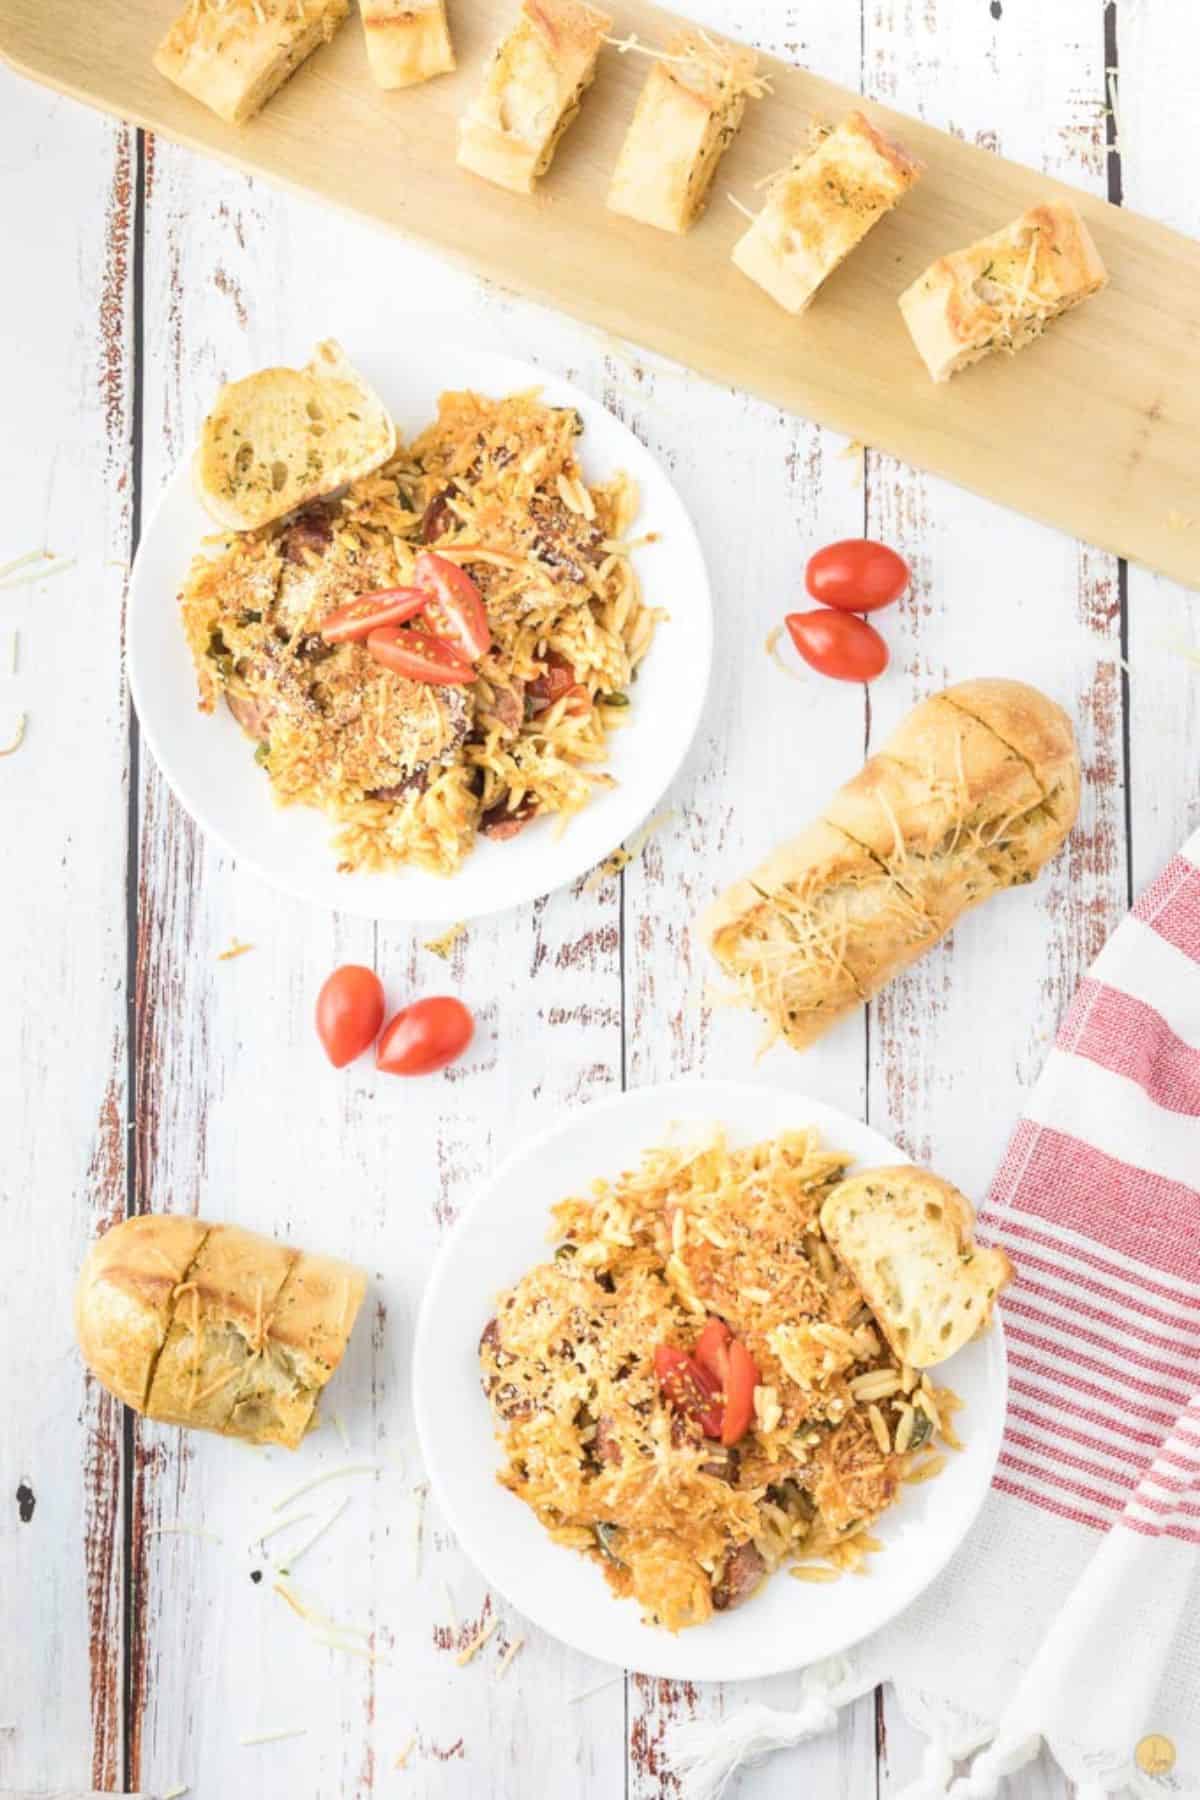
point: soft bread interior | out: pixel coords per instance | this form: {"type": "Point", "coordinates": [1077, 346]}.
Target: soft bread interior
{"type": "Point", "coordinates": [906, 1237]}
{"type": "Point", "coordinates": [285, 437]}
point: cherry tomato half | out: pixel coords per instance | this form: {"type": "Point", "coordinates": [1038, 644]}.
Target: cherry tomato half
{"type": "Point", "coordinates": [421, 657]}
{"type": "Point", "coordinates": [690, 1389]}
{"type": "Point", "coordinates": [370, 612]}
{"type": "Point", "coordinates": [856, 575]}
{"type": "Point", "coordinates": [425, 1036]}
{"type": "Point", "coordinates": [735, 1371]}
{"type": "Point", "coordinates": [838, 644]}
{"type": "Point", "coordinates": [458, 611]}
{"type": "Point", "coordinates": [349, 1012]}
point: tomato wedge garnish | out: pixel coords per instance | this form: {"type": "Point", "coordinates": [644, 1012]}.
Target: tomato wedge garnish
{"type": "Point", "coordinates": [420, 657]}
{"type": "Point", "coordinates": [457, 610]}
{"type": "Point", "coordinates": [371, 612]}
{"type": "Point", "coordinates": [730, 1366]}
{"type": "Point", "coordinates": [689, 1388]}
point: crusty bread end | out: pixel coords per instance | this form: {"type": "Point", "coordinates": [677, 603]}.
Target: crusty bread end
{"type": "Point", "coordinates": [906, 1237]}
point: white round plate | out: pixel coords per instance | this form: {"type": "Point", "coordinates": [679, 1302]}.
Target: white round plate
{"type": "Point", "coordinates": [787, 1623]}
{"type": "Point", "coordinates": [210, 764]}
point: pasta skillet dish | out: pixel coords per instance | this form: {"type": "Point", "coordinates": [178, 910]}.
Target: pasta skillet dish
{"type": "Point", "coordinates": [693, 1392]}
{"type": "Point", "coordinates": [488, 702]}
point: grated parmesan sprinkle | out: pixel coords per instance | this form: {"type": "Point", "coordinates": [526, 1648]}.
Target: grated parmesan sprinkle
{"type": "Point", "coordinates": [470, 1651]}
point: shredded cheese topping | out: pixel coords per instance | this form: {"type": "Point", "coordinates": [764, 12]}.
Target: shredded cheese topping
{"type": "Point", "coordinates": [470, 1651]}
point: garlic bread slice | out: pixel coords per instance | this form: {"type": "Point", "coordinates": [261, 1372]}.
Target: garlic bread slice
{"type": "Point", "coordinates": [284, 437]}
{"type": "Point", "coordinates": [906, 1237]}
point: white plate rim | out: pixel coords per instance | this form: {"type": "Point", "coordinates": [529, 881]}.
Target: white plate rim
{"type": "Point", "coordinates": [986, 1435]}
{"type": "Point", "coordinates": [392, 896]}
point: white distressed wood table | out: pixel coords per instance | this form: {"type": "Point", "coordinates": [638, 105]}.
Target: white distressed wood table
{"type": "Point", "coordinates": [140, 1071]}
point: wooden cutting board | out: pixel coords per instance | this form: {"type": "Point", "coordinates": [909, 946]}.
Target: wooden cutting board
{"type": "Point", "coordinates": [1095, 429]}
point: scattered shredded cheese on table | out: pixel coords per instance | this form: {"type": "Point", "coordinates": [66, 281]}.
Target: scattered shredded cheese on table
{"type": "Point", "coordinates": [182, 1531]}
{"type": "Point", "coordinates": [621, 859]}
{"type": "Point", "coordinates": [502, 1666]}
{"type": "Point", "coordinates": [52, 565]}
{"type": "Point", "coordinates": [273, 1737]}
{"type": "Point", "coordinates": [339, 1425]}
{"type": "Point", "coordinates": [261, 1537]}
{"type": "Point", "coordinates": [406, 1752]}
{"type": "Point", "coordinates": [347, 1469]}
{"type": "Point", "coordinates": [173, 1793]}
{"type": "Point", "coordinates": [8, 655]}
{"type": "Point", "coordinates": [772, 649]}
{"type": "Point", "coordinates": [235, 949]}
{"type": "Point", "coordinates": [600, 1688]}
{"type": "Point", "coordinates": [470, 1651]}
{"type": "Point", "coordinates": [303, 1549]}
{"type": "Point", "coordinates": [442, 946]}
{"type": "Point", "coordinates": [18, 740]}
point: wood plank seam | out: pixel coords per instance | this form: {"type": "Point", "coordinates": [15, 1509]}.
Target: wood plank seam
{"type": "Point", "coordinates": [129, 1610]}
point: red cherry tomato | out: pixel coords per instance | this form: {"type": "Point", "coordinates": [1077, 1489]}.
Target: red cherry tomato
{"type": "Point", "coordinates": [425, 1036]}
{"type": "Point", "coordinates": [689, 1388]}
{"type": "Point", "coordinates": [370, 612]}
{"type": "Point", "coordinates": [349, 1013]}
{"type": "Point", "coordinates": [458, 612]}
{"type": "Point", "coordinates": [735, 1371]}
{"type": "Point", "coordinates": [856, 575]}
{"type": "Point", "coordinates": [838, 644]}
{"type": "Point", "coordinates": [420, 657]}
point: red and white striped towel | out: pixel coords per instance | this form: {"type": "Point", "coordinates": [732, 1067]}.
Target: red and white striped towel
{"type": "Point", "coordinates": [1071, 1615]}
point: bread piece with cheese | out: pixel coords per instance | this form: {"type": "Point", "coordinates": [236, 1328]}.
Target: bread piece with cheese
{"type": "Point", "coordinates": [532, 89]}
{"type": "Point", "coordinates": [906, 1237]}
{"type": "Point", "coordinates": [284, 437]}
{"type": "Point", "coordinates": [1002, 292]}
{"type": "Point", "coordinates": [407, 41]}
{"type": "Point", "coordinates": [232, 55]}
{"type": "Point", "coordinates": [817, 211]}
{"type": "Point", "coordinates": [974, 792]}
{"type": "Point", "coordinates": [687, 115]}
{"type": "Point", "coordinates": [214, 1327]}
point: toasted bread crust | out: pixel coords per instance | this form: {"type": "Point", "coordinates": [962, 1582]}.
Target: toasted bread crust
{"type": "Point", "coordinates": [531, 91]}
{"type": "Point", "coordinates": [214, 1327]}
{"type": "Point", "coordinates": [282, 438]}
{"type": "Point", "coordinates": [820, 209]}
{"type": "Point", "coordinates": [232, 62]}
{"type": "Point", "coordinates": [406, 43]}
{"type": "Point", "coordinates": [999, 293]}
{"type": "Point", "coordinates": [907, 1237]}
{"type": "Point", "coordinates": [687, 114]}
{"type": "Point", "coordinates": [948, 812]}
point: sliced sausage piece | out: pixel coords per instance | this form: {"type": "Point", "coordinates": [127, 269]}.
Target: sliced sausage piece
{"type": "Point", "coordinates": [506, 1398]}
{"type": "Point", "coordinates": [438, 517]}
{"type": "Point", "coordinates": [498, 822]}
{"type": "Point", "coordinates": [310, 531]}
{"type": "Point", "coordinates": [605, 1447]}
{"type": "Point", "coordinates": [416, 783]}
{"type": "Point", "coordinates": [725, 1466]}
{"type": "Point", "coordinates": [252, 713]}
{"type": "Point", "coordinates": [742, 1573]}
{"type": "Point", "coordinates": [508, 705]}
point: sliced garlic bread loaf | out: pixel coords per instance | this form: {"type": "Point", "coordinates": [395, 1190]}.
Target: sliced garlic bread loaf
{"type": "Point", "coordinates": [906, 1237]}
{"type": "Point", "coordinates": [284, 437]}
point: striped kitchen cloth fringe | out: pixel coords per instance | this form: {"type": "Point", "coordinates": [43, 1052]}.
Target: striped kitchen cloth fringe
{"type": "Point", "coordinates": [1071, 1615]}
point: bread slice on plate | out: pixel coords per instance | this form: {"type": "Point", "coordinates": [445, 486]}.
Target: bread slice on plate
{"type": "Point", "coordinates": [284, 437]}
{"type": "Point", "coordinates": [906, 1237]}
{"type": "Point", "coordinates": [232, 57]}
{"type": "Point", "coordinates": [1002, 292]}
{"type": "Point", "coordinates": [687, 115]}
{"type": "Point", "coordinates": [532, 89]}
{"type": "Point", "coordinates": [817, 211]}
{"type": "Point", "coordinates": [407, 41]}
